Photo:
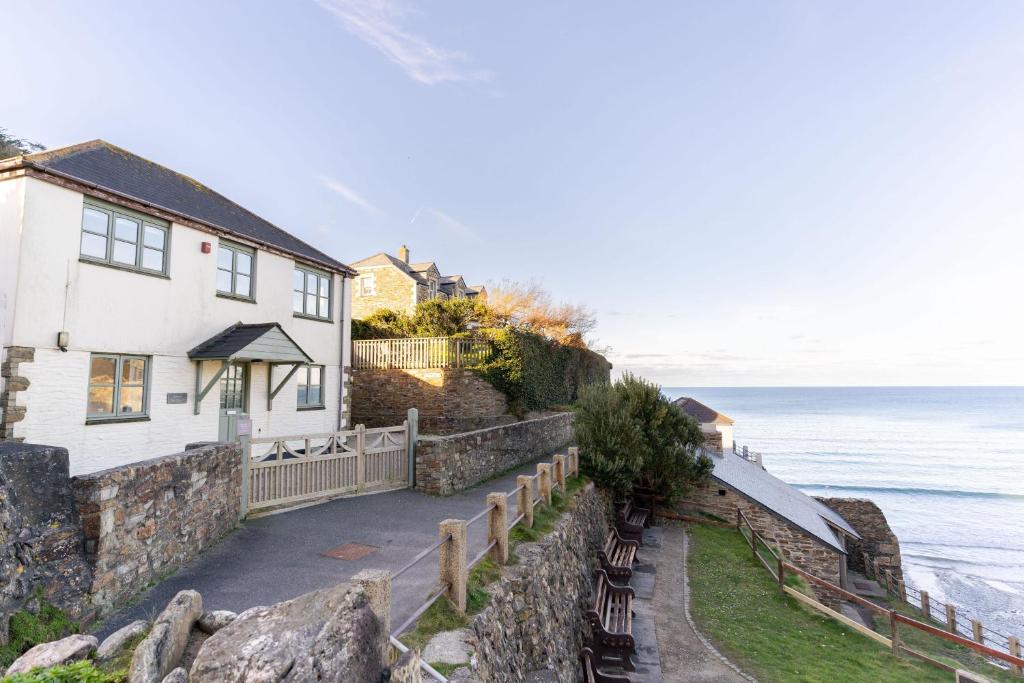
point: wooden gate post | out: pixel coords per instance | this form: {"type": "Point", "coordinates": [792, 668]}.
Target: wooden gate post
{"type": "Point", "coordinates": [452, 561]}
{"type": "Point", "coordinates": [360, 457]}
{"type": "Point", "coordinates": [544, 482]}
{"type": "Point", "coordinates": [412, 432]}
{"type": "Point", "coordinates": [559, 462]}
{"type": "Point", "coordinates": [497, 526]}
{"type": "Point", "coordinates": [524, 499]}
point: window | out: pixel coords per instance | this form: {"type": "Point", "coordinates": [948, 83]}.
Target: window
{"type": "Point", "coordinates": [123, 238]}
{"type": "Point", "coordinates": [311, 386]}
{"type": "Point", "coordinates": [433, 288]}
{"type": "Point", "coordinates": [311, 294]}
{"type": "Point", "coordinates": [367, 285]}
{"type": "Point", "coordinates": [235, 270]}
{"type": "Point", "coordinates": [118, 386]}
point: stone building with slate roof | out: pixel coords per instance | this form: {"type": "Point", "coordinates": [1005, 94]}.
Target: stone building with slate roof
{"type": "Point", "coordinates": [716, 426]}
{"type": "Point", "coordinates": [141, 311]}
{"type": "Point", "coordinates": [392, 282]}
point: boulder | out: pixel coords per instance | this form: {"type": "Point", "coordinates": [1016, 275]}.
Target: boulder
{"type": "Point", "coordinates": [179, 675]}
{"type": "Point", "coordinates": [160, 651]}
{"type": "Point", "coordinates": [45, 655]}
{"type": "Point", "coordinates": [211, 622]}
{"type": "Point", "coordinates": [327, 635]}
{"type": "Point", "coordinates": [115, 644]}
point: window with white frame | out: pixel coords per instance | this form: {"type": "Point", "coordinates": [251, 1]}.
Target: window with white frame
{"type": "Point", "coordinates": [367, 285]}
{"type": "Point", "coordinates": [125, 239]}
{"type": "Point", "coordinates": [311, 387]}
{"type": "Point", "coordinates": [118, 386]}
{"type": "Point", "coordinates": [236, 266]}
{"type": "Point", "coordinates": [311, 293]}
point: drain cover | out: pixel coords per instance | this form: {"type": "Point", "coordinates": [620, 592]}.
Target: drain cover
{"type": "Point", "coordinates": [350, 551]}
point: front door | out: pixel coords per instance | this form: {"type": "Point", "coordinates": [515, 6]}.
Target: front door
{"type": "Point", "coordinates": [233, 399]}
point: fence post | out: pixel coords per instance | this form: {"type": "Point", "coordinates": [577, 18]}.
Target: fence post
{"type": "Point", "coordinates": [412, 432]}
{"type": "Point", "coordinates": [246, 442]}
{"type": "Point", "coordinates": [867, 566]}
{"type": "Point", "coordinates": [901, 586]}
{"type": "Point", "coordinates": [950, 618]}
{"type": "Point", "coordinates": [544, 482]}
{"type": "Point", "coordinates": [888, 582]}
{"type": "Point", "coordinates": [360, 457]}
{"type": "Point", "coordinates": [559, 462]}
{"type": "Point", "coordinates": [979, 637]}
{"type": "Point", "coordinates": [497, 526]}
{"type": "Point", "coordinates": [876, 571]}
{"type": "Point", "coordinates": [574, 461]}
{"type": "Point", "coordinates": [739, 519]}
{"type": "Point", "coordinates": [376, 584]}
{"type": "Point", "coordinates": [894, 627]}
{"type": "Point", "coordinates": [753, 542]}
{"type": "Point", "coordinates": [524, 499]}
{"type": "Point", "coordinates": [782, 576]}
{"type": "Point", "coordinates": [1013, 645]}
{"type": "Point", "coordinates": [926, 604]}
{"type": "Point", "coordinates": [452, 561]}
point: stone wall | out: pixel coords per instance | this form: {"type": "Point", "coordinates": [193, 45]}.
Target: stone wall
{"type": "Point", "coordinates": [535, 618]}
{"type": "Point", "coordinates": [449, 400]}
{"type": "Point", "coordinates": [448, 464]}
{"type": "Point", "coordinates": [800, 548]}
{"type": "Point", "coordinates": [11, 382]}
{"type": "Point", "coordinates": [40, 533]}
{"type": "Point", "coordinates": [393, 290]}
{"type": "Point", "coordinates": [142, 521]}
{"type": "Point", "coordinates": [877, 538]}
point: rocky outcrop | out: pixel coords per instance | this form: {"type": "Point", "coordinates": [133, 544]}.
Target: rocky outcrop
{"type": "Point", "coordinates": [535, 619]}
{"type": "Point", "coordinates": [45, 655]}
{"type": "Point", "coordinates": [161, 650]}
{"type": "Point", "coordinates": [117, 642]}
{"type": "Point", "coordinates": [877, 538]}
{"type": "Point", "coordinates": [331, 634]}
{"type": "Point", "coordinates": [179, 675]}
{"type": "Point", "coordinates": [211, 622]}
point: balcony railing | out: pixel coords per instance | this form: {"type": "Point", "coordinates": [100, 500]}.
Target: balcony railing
{"type": "Point", "coordinates": [420, 352]}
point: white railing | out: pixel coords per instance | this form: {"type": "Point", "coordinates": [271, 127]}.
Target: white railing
{"type": "Point", "coordinates": [747, 454]}
{"type": "Point", "coordinates": [293, 469]}
{"type": "Point", "coordinates": [419, 353]}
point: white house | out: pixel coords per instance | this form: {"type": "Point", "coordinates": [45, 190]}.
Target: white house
{"type": "Point", "coordinates": [711, 421]}
{"type": "Point", "coordinates": [141, 311]}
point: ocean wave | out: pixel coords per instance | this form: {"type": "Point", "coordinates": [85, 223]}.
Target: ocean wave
{"type": "Point", "coordinates": [946, 561]}
{"type": "Point", "coordinates": [912, 491]}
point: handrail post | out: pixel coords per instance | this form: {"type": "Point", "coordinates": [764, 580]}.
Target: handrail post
{"type": "Point", "coordinates": [452, 561]}
{"type": "Point", "coordinates": [497, 527]}
{"type": "Point", "coordinates": [782, 579]}
{"type": "Point", "coordinates": [753, 542]}
{"type": "Point", "coordinates": [1013, 645]}
{"type": "Point", "coordinates": [901, 586]}
{"type": "Point", "coordinates": [739, 518]}
{"type": "Point", "coordinates": [894, 627]}
{"type": "Point", "coordinates": [524, 499]}
{"type": "Point", "coordinates": [950, 618]}
{"type": "Point", "coordinates": [544, 482]}
{"type": "Point", "coordinates": [979, 636]}
{"type": "Point", "coordinates": [926, 604]}
{"type": "Point", "coordinates": [360, 457]}
{"type": "Point", "coordinates": [559, 463]}
{"type": "Point", "coordinates": [574, 461]}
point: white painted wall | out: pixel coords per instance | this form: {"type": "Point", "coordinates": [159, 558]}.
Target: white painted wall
{"type": "Point", "coordinates": [12, 193]}
{"type": "Point", "coordinates": [725, 430]}
{"type": "Point", "coordinates": [110, 310]}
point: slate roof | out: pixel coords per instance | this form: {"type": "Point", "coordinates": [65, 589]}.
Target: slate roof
{"type": "Point", "coordinates": [754, 482]}
{"type": "Point", "coordinates": [701, 413]}
{"type": "Point", "coordinates": [226, 344]}
{"type": "Point", "coordinates": [103, 166]}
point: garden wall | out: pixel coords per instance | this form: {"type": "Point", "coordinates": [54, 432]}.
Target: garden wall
{"type": "Point", "coordinates": [448, 464]}
{"type": "Point", "coordinates": [535, 618]}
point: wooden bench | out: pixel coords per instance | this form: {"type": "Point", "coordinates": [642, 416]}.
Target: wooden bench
{"type": "Point", "coordinates": [611, 622]}
{"type": "Point", "coordinates": [591, 674]}
{"type": "Point", "coordinates": [617, 556]}
{"type": "Point", "coordinates": [631, 521]}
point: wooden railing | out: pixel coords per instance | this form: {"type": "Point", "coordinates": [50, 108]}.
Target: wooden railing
{"type": "Point", "coordinates": [287, 470]}
{"type": "Point", "coordinates": [756, 542]}
{"type": "Point", "coordinates": [419, 353]}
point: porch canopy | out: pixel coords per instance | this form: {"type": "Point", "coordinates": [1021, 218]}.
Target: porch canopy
{"type": "Point", "coordinates": [250, 343]}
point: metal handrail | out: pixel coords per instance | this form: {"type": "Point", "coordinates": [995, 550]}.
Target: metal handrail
{"type": "Point", "coordinates": [397, 644]}
{"type": "Point", "coordinates": [423, 608]}
{"type": "Point", "coordinates": [516, 521]}
{"type": "Point", "coordinates": [421, 555]}
{"type": "Point", "coordinates": [482, 554]}
{"type": "Point", "coordinates": [514, 491]}
{"type": "Point", "coordinates": [480, 514]}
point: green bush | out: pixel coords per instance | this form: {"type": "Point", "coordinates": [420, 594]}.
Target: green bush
{"type": "Point", "coordinates": [78, 672]}
{"type": "Point", "coordinates": [27, 629]}
{"type": "Point", "coordinates": [631, 435]}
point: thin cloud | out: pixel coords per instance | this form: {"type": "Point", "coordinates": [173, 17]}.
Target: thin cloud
{"type": "Point", "coordinates": [449, 222]}
{"type": "Point", "coordinates": [377, 23]}
{"type": "Point", "coordinates": [347, 193]}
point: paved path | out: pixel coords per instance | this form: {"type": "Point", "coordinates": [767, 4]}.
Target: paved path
{"type": "Point", "coordinates": [277, 558]}
{"type": "Point", "coordinates": [685, 657]}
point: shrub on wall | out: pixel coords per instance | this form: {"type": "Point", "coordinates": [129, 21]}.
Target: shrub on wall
{"type": "Point", "coordinates": [631, 435]}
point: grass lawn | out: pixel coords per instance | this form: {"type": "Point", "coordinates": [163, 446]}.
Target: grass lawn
{"type": "Point", "coordinates": [773, 637]}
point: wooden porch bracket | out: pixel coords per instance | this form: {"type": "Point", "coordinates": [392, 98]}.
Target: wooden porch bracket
{"type": "Point", "coordinates": [271, 393]}
{"type": "Point", "coordinates": [202, 392]}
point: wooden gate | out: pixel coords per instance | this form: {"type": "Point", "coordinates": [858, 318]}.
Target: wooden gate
{"type": "Point", "coordinates": [289, 470]}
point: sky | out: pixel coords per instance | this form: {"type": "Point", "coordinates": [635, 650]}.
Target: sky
{"type": "Point", "coordinates": [745, 193]}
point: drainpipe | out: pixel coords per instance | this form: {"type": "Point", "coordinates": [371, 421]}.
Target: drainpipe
{"type": "Point", "coordinates": [341, 361]}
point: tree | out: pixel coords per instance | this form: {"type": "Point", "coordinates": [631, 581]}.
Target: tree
{"type": "Point", "coordinates": [11, 146]}
{"type": "Point", "coordinates": [446, 317]}
{"type": "Point", "coordinates": [529, 306]}
{"type": "Point", "coordinates": [631, 435]}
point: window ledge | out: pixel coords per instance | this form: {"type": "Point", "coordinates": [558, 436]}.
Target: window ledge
{"type": "Point", "coordinates": [303, 316]}
{"type": "Point", "coordinates": [302, 408]}
{"type": "Point", "coordinates": [115, 420]}
{"type": "Point", "coordinates": [127, 269]}
{"type": "Point", "coordinates": [237, 297]}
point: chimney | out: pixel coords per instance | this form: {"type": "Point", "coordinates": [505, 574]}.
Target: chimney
{"type": "Point", "coordinates": [403, 254]}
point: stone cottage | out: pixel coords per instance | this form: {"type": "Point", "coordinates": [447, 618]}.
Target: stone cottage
{"type": "Point", "coordinates": [392, 282]}
{"type": "Point", "coordinates": [717, 428]}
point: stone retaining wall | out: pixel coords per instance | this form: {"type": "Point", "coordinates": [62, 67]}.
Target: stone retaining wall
{"type": "Point", "coordinates": [142, 521]}
{"type": "Point", "coordinates": [448, 464]}
{"type": "Point", "coordinates": [877, 538]}
{"type": "Point", "coordinates": [535, 618]}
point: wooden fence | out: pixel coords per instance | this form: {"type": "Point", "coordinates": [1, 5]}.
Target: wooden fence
{"type": "Point", "coordinates": [420, 353]}
{"type": "Point", "coordinates": [288, 470]}
{"type": "Point", "coordinates": [758, 545]}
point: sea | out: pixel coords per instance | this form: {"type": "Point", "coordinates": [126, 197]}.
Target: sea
{"type": "Point", "coordinates": [945, 465]}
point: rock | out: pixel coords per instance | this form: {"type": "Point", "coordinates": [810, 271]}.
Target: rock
{"type": "Point", "coordinates": [327, 635]}
{"type": "Point", "coordinates": [179, 675]}
{"type": "Point", "coordinates": [115, 644]}
{"type": "Point", "coordinates": [160, 651]}
{"type": "Point", "coordinates": [211, 622]}
{"type": "Point", "coordinates": [448, 647]}
{"type": "Point", "coordinates": [45, 655]}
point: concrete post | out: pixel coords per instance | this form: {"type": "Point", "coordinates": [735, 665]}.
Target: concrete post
{"type": "Point", "coordinates": [452, 561]}
{"type": "Point", "coordinates": [497, 526]}
{"type": "Point", "coordinates": [376, 583]}
{"type": "Point", "coordinates": [246, 442]}
{"type": "Point", "coordinates": [950, 618]}
{"type": "Point", "coordinates": [360, 457]}
{"type": "Point", "coordinates": [412, 432]}
{"type": "Point", "coordinates": [1013, 645]}
{"type": "Point", "coordinates": [926, 604]}
{"type": "Point", "coordinates": [524, 499]}
{"type": "Point", "coordinates": [574, 461]}
{"type": "Point", "coordinates": [544, 483]}
{"type": "Point", "coordinates": [559, 463]}
{"type": "Point", "coordinates": [979, 636]}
